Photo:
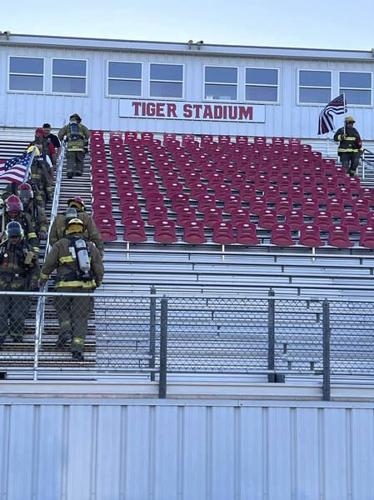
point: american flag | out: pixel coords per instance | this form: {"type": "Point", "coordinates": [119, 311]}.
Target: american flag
{"type": "Point", "coordinates": [337, 106]}
{"type": "Point", "coordinates": [15, 169]}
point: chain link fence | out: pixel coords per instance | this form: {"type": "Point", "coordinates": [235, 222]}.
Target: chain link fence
{"type": "Point", "coordinates": [154, 335]}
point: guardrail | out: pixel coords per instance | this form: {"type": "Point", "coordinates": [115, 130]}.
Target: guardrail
{"type": "Point", "coordinates": [276, 337]}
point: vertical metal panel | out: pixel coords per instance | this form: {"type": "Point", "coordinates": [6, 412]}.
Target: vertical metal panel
{"type": "Point", "coordinates": [142, 451]}
{"type": "Point", "coordinates": [194, 454]}
{"type": "Point", "coordinates": [81, 440]}
{"type": "Point", "coordinates": [362, 449]}
{"type": "Point", "coordinates": [51, 451]}
{"type": "Point", "coordinates": [307, 478]}
{"type": "Point", "coordinates": [139, 442]}
{"type": "Point", "coordinates": [252, 471]}
{"type": "Point", "coordinates": [20, 451]}
{"type": "Point", "coordinates": [99, 111]}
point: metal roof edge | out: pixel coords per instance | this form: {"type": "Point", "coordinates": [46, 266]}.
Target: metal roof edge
{"type": "Point", "coordinates": [184, 48]}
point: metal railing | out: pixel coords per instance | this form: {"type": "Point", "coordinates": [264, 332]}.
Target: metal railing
{"type": "Point", "coordinates": [41, 300]}
{"type": "Point", "coordinates": [275, 337]}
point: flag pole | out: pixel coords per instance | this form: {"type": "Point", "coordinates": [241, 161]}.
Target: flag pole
{"type": "Point", "coordinates": [29, 165]}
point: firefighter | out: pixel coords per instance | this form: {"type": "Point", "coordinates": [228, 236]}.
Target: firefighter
{"type": "Point", "coordinates": [79, 269]}
{"type": "Point", "coordinates": [76, 136]}
{"type": "Point", "coordinates": [350, 145]}
{"type": "Point", "coordinates": [40, 178]}
{"type": "Point", "coordinates": [42, 165]}
{"type": "Point", "coordinates": [14, 212]}
{"type": "Point", "coordinates": [36, 212]}
{"type": "Point", "coordinates": [91, 232]}
{"type": "Point", "coordinates": [19, 271]}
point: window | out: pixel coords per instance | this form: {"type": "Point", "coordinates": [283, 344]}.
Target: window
{"type": "Point", "coordinates": [69, 76]}
{"type": "Point", "coordinates": [261, 84]}
{"type": "Point", "coordinates": [221, 83]}
{"type": "Point", "coordinates": [314, 87]}
{"type": "Point", "coordinates": [356, 87]}
{"type": "Point", "coordinates": [124, 79]}
{"type": "Point", "coordinates": [166, 80]}
{"type": "Point", "coordinates": [26, 74]}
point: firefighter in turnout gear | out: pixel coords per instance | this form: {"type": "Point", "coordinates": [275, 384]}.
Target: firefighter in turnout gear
{"type": "Point", "coordinates": [91, 233]}
{"type": "Point", "coordinates": [42, 167]}
{"type": "Point", "coordinates": [36, 212]}
{"type": "Point", "coordinates": [76, 136]}
{"type": "Point", "coordinates": [19, 271]}
{"type": "Point", "coordinates": [350, 145]}
{"type": "Point", "coordinates": [14, 212]}
{"type": "Point", "coordinates": [79, 269]}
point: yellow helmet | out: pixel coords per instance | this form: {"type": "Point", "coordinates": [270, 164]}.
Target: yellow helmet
{"type": "Point", "coordinates": [75, 226]}
{"type": "Point", "coordinates": [349, 119]}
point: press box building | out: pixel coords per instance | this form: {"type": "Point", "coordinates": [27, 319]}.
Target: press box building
{"type": "Point", "coordinates": [192, 87]}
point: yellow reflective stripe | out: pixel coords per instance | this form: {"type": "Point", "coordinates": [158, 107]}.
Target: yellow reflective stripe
{"type": "Point", "coordinates": [31, 235]}
{"type": "Point", "coordinates": [36, 249]}
{"type": "Point", "coordinates": [76, 284]}
{"type": "Point", "coordinates": [350, 138]}
{"type": "Point", "coordinates": [66, 259]}
{"type": "Point", "coordinates": [347, 150]}
{"type": "Point", "coordinates": [43, 276]}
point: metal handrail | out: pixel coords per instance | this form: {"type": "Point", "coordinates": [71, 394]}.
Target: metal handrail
{"type": "Point", "coordinates": [39, 320]}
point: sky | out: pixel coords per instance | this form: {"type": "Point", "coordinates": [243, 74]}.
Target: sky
{"type": "Point", "coordinates": [337, 24]}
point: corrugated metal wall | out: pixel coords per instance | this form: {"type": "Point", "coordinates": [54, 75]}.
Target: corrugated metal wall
{"type": "Point", "coordinates": [141, 450]}
{"type": "Point", "coordinates": [98, 111]}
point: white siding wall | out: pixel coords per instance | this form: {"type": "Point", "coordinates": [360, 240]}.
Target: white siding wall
{"type": "Point", "coordinates": [287, 118]}
{"type": "Point", "coordinates": [140, 450]}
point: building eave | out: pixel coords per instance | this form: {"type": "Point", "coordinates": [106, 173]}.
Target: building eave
{"type": "Point", "coordinates": [205, 49]}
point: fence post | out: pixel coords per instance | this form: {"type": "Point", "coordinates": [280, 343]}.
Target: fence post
{"type": "Point", "coordinates": [271, 336]}
{"type": "Point", "coordinates": [152, 332]}
{"type": "Point", "coordinates": [162, 389]}
{"type": "Point", "coordinates": [326, 386]}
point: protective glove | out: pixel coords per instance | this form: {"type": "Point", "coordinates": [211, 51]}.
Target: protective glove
{"type": "Point", "coordinates": [42, 282]}
{"type": "Point", "coordinates": [34, 285]}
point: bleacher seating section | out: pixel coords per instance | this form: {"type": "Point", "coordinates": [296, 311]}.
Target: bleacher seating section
{"type": "Point", "coordinates": [228, 191]}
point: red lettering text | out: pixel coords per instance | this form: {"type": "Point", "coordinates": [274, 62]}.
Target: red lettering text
{"type": "Point", "coordinates": [171, 110]}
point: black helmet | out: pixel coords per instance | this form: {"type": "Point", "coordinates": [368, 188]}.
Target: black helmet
{"type": "Point", "coordinates": [14, 229]}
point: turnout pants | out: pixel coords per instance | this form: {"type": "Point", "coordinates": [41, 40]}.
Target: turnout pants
{"type": "Point", "coordinates": [75, 161]}
{"type": "Point", "coordinates": [13, 313]}
{"type": "Point", "coordinates": [350, 162]}
{"type": "Point", "coordinates": [73, 314]}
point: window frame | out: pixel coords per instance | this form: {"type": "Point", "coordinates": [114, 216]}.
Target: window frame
{"type": "Point", "coordinates": [117, 96]}
{"type": "Point", "coordinates": [78, 94]}
{"type": "Point", "coordinates": [237, 84]}
{"type": "Point", "coordinates": [300, 103]}
{"type": "Point", "coordinates": [357, 88]}
{"type": "Point", "coordinates": [16, 91]}
{"type": "Point", "coordinates": [166, 81]}
{"type": "Point", "coordinates": [261, 85]}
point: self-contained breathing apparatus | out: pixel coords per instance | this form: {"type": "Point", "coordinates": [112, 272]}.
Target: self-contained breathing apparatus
{"type": "Point", "coordinates": [79, 250]}
{"type": "Point", "coordinates": [74, 132]}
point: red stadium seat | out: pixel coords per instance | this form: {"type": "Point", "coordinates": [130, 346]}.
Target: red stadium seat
{"type": "Point", "coordinates": [212, 217]}
{"type": "Point", "coordinates": [281, 236]}
{"type": "Point", "coordinates": [338, 237]}
{"type": "Point", "coordinates": [194, 232]}
{"type": "Point", "coordinates": [246, 234]}
{"type": "Point", "coordinates": [267, 219]}
{"type": "Point", "coordinates": [310, 236]}
{"type": "Point", "coordinates": [165, 232]}
{"type": "Point", "coordinates": [223, 233]}
{"type": "Point", "coordinates": [134, 231]}
{"type": "Point", "coordinates": [367, 237]}
{"type": "Point", "coordinates": [294, 219]}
